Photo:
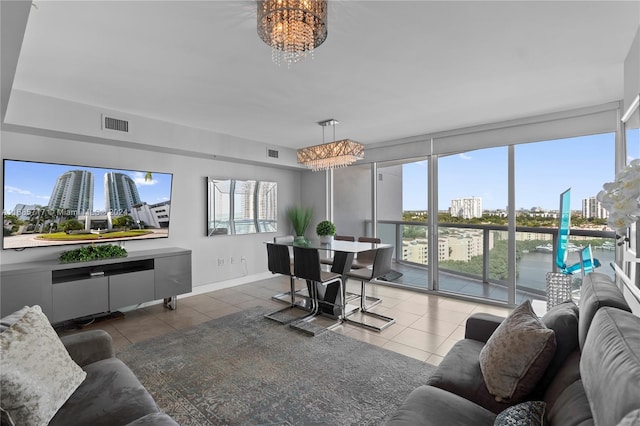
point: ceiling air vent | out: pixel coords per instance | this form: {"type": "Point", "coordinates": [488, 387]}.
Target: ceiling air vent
{"type": "Point", "coordinates": [272, 153]}
{"type": "Point", "coordinates": [111, 123]}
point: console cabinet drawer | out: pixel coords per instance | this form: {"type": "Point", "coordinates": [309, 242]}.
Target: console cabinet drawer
{"type": "Point", "coordinates": [130, 289]}
{"type": "Point", "coordinates": [79, 298]}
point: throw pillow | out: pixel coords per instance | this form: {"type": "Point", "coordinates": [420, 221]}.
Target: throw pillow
{"type": "Point", "coordinates": [517, 354]}
{"type": "Point", "coordinates": [530, 413]}
{"type": "Point", "coordinates": [37, 375]}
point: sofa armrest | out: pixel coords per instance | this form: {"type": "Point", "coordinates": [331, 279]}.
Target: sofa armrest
{"type": "Point", "coordinates": [481, 326]}
{"type": "Point", "coordinates": [89, 346]}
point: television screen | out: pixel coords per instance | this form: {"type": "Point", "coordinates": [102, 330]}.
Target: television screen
{"type": "Point", "coordinates": [55, 204]}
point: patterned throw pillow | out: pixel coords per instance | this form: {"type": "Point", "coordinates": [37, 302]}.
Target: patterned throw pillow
{"type": "Point", "coordinates": [37, 375]}
{"type": "Point", "coordinates": [530, 413]}
{"type": "Point", "coordinates": [517, 354]}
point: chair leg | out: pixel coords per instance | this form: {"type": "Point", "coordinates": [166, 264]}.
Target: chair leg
{"type": "Point", "coordinates": [304, 324]}
{"type": "Point", "coordinates": [363, 309]}
{"type": "Point", "coordinates": [282, 315]}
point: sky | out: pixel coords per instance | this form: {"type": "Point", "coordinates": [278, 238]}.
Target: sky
{"type": "Point", "coordinates": [32, 183]}
{"type": "Point", "coordinates": [543, 171]}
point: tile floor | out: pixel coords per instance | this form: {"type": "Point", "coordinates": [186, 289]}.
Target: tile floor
{"type": "Point", "coordinates": [426, 325]}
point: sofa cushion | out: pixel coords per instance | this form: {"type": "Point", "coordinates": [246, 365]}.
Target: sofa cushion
{"type": "Point", "coordinates": [563, 320]}
{"type": "Point", "coordinates": [111, 395]}
{"type": "Point", "coordinates": [517, 354]}
{"type": "Point", "coordinates": [37, 375]}
{"type": "Point", "coordinates": [8, 321]}
{"type": "Point", "coordinates": [428, 405]}
{"type": "Point", "coordinates": [597, 291]}
{"type": "Point", "coordinates": [571, 408]}
{"type": "Point", "coordinates": [610, 365]}
{"type": "Point", "coordinates": [568, 374]}
{"type": "Point", "coordinates": [631, 419]}
{"type": "Point", "coordinates": [459, 372]}
{"type": "Point", "coordinates": [528, 413]}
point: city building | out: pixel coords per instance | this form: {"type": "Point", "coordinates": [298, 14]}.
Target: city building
{"type": "Point", "coordinates": [120, 193]}
{"type": "Point", "coordinates": [73, 194]}
{"type": "Point", "coordinates": [592, 209]}
{"type": "Point", "coordinates": [466, 208]}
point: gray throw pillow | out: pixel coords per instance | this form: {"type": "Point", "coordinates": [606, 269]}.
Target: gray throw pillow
{"type": "Point", "coordinates": [517, 354]}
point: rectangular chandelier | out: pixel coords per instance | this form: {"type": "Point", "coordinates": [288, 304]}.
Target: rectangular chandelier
{"type": "Point", "coordinates": [331, 155]}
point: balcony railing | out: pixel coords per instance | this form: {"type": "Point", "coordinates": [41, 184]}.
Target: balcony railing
{"type": "Point", "coordinates": [461, 246]}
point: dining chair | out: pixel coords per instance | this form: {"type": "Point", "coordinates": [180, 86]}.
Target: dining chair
{"type": "Point", "coordinates": [279, 262]}
{"type": "Point", "coordinates": [344, 238]}
{"type": "Point", "coordinates": [381, 267]}
{"type": "Point", "coordinates": [307, 266]}
{"type": "Point", "coordinates": [283, 239]}
{"type": "Point", "coordinates": [364, 259]}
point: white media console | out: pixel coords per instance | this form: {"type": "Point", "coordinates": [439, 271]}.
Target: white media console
{"type": "Point", "coordinates": [73, 290]}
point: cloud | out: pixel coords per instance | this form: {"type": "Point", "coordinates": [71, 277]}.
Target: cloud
{"type": "Point", "coordinates": [14, 190]}
{"type": "Point", "coordinates": [464, 156]}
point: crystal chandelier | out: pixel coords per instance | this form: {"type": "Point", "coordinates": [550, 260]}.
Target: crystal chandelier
{"type": "Point", "coordinates": [293, 28]}
{"type": "Point", "coordinates": [333, 154]}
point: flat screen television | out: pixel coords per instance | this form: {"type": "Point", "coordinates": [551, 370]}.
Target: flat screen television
{"type": "Point", "coordinates": [47, 204]}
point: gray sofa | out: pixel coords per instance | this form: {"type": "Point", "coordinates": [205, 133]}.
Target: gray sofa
{"type": "Point", "coordinates": [594, 378]}
{"type": "Point", "coordinates": [110, 394]}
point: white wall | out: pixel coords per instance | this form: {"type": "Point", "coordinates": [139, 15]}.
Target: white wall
{"type": "Point", "coordinates": [188, 204]}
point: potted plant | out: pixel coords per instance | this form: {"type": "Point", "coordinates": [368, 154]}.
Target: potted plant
{"type": "Point", "coordinates": [300, 217]}
{"type": "Point", "coordinates": [325, 230]}
{"type": "Point", "coordinates": [92, 252]}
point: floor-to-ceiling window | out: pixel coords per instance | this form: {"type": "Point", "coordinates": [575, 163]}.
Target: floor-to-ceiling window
{"type": "Point", "coordinates": [476, 215]}
{"type": "Point", "coordinates": [405, 224]}
{"type": "Point", "coordinates": [544, 170]}
{"type": "Point", "coordinates": [472, 207]}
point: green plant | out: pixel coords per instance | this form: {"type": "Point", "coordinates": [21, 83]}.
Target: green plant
{"type": "Point", "coordinates": [88, 253]}
{"type": "Point", "coordinates": [71, 225]}
{"type": "Point", "coordinates": [300, 217]}
{"type": "Point", "coordinates": [325, 227]}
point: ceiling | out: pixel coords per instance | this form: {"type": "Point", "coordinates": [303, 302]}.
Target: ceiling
{"type": "Point", "coordinates": [388, 69]}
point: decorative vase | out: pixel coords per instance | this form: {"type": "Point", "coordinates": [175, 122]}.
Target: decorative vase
{"type": "Point", "coordinates": [326, 239]}
{"type": "Point", "coordinates": [300, 240]}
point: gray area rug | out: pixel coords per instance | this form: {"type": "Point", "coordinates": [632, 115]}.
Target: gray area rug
{"type": "Point", "coordinates": [244, 369]}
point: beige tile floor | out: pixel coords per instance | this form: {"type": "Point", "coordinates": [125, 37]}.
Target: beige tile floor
{"type": "Point", "coordinates": [426, 325]}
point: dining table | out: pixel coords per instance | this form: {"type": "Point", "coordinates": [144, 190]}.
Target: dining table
{"type": "Point", "coordinates": [343, 255]}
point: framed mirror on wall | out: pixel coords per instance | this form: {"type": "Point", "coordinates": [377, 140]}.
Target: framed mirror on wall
{"type": "Point", "coordinates": [236, 207]}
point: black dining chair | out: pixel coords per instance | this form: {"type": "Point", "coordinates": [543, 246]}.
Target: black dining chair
{"type": "Point", "coordinates": [279, 262]}
{"type": "Point", "coordinates": [364, 259]}
{"type": "Point", "coordinates": [381, 267]}
{"type": "Point", "coordinates": [307, 266]}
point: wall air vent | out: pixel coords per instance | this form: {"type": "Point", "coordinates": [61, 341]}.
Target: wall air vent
{"type": "Point", "coordinates": [272, 153]}
{"type": "Point", "coordinates": [112, 123]}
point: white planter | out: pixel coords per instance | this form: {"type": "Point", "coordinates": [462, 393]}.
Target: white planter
{"type": "Point", "coordinates": [326, 239]}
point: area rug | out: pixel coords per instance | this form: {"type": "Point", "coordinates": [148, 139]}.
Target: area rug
{"type": "Point", "coordinates": [244, 369]}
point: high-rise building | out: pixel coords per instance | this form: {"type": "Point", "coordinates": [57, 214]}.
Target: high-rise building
{"type": "Point", "coordinates": [73, 193]}
{"type": "Point", "coordinates": [120, 193]}
{"type": "Point", "coordinates": [592, 209]}
{"type": "Point", "coordinates": [466, 208]}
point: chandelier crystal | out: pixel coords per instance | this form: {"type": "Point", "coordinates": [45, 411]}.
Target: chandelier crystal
{"type": "Point", "coordinates": [331, 155]}
{"type": "Point", "coordinates": [293, 28]}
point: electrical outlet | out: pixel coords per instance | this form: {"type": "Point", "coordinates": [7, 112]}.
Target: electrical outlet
{"type": "Point", "coordinates": [220, 261]}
